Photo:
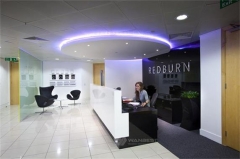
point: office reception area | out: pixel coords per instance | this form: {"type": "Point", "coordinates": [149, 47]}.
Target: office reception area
{"type": "Point", "coordinates": [71, 75]}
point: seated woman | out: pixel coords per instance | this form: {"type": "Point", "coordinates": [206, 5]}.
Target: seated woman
{"type": "Point", "coordinates": [141, 95]}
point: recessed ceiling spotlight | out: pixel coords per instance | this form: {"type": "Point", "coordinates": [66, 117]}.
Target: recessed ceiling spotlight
{"type": "Point", "coordinates": [185, 52]}
{"type": "Point", "coordinates": [83, 56]}
{"type": "Point", "coordinates": [75, 51]}
{"type": "Point", "coordinates": [144, 54]}
{"type": "Point", "coordinates": [157, 50]}
{"type": "Point", "coordinates": [88, 60]}
{"type": "Point", "coordinates": [104, 58]}
{"type": "Point", "coordinates": [56, 58]}
{"type": "Point", "coordinates": [0, 47]}
{"type": "Point", "coordinates": [126, 43]}
{"type": "Point", "coordinates": [190, 60]}
{"type": "Point", "coordinates": [162, 62]}
{"type": "Point", "coordinates": [88, 45]}
{"type": "Point", "coordinates": [182, 17]}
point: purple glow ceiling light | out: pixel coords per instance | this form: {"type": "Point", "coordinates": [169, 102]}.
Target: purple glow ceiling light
{"type": "Point", "coordinates": [135, 36]}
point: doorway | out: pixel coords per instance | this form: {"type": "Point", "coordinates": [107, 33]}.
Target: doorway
{"type": "Point", "coordinates": [231, 99]}
{"type": "Point", "coordinates": [99, 74]}
{"type": "Point", "coordinates": [14, 83]}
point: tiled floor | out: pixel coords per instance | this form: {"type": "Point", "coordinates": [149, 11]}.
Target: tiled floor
{"type": "Point", "coordinates": [74, 132]}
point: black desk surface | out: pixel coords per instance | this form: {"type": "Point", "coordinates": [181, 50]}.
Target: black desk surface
{"type": "Point", "coordinates": [139, 109]}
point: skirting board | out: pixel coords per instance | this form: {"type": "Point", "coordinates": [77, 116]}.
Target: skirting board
{"type": "Point", "coordinates": [5, 104]}
{"type": "Point", "coordinates": [211, 136]}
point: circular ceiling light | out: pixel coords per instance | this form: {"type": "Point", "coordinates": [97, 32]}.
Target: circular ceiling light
{"type": "Point", "coordinates": [157, 50]}
{"type": "Point", "coordinates": [75, 51]}
{"type": "Point", "coordinates": [114, 35]}
{"type": "Point", "coordinates": [182, 17]}
{"type": "Point", "coordinates": [126, 43]}
{"type": "Point", "coordinates": [56, 58]}
{"type": "Point", "coordinates": [88, 45]}
{"type": "Point", "coordinates": [144, 54]}
{"type": "Point", "coordinates": [88, 60]}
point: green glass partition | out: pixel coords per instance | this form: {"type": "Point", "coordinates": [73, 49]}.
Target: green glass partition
{"type": "Point", "coordinates": [30, 74]}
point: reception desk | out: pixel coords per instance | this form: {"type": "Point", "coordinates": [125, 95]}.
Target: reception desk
{"type": "Point", "coordinates": [136, 127]}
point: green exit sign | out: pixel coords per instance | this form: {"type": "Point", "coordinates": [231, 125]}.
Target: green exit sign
{"type": "Point", "coordinates": [225, 3]}
{"type": "Point", "coordinates": [11, 59]}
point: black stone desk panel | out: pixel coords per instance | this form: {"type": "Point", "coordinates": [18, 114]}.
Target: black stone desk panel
{"type": "Point", "coordinates": [142, 128]}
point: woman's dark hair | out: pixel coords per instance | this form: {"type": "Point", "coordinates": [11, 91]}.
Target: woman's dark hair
{"type": "Point", "coordinates": [136, 92]}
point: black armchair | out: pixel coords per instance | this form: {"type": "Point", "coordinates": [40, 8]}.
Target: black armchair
{"type": "Point", "coordinates": [74, 95]}
{"type": "Point", "coordinates": [47, 92]}
{"type": "Point", "coordinates": [153, 100]}
{"type": "Point", "coordinates": [43, 102]}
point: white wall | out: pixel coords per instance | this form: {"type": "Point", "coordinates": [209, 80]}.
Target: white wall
{"type": "Point", "coordinates": [84, 77]}
{"type": "Point", "coordinates": [124, 74]}
{"type": "Point", "coordinates": [4, 83]}
{"type": "Point", "coordinates": [211, 106]}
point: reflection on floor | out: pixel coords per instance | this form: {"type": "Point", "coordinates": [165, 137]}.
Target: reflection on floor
{"type": "Point", "coordinates": [71, 132]}
{"type": "Point", "coordinates": [194, 131]}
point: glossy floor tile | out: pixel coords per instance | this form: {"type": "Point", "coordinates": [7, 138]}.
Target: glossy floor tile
{"type": "Point", "coordinates": [73, 132]}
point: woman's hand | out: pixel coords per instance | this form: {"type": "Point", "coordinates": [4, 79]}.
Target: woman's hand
{"type": "Point", "coordinates": [143, 104]}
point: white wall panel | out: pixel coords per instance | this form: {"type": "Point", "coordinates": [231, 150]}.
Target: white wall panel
{"type": "Point", "coordinates": [211, 106]}
{"type": "Point", "coordinates": [124, 74]}
{"type": "Point", "coordinates": [4, 83]}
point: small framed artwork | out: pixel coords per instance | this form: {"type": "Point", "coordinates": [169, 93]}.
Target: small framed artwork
{"type": "Point", "coordinates": [60, 76]}
{"type": "Point", "coordinates": [72, 76]}
{"type": "Point", "coordinates": [23, 77]}
{"type": "Point", "coordinates": [53, 76]}
{"type": "Point", "coordinates": [66, 76]}
{"type": "Point", "coordinates": [31, 77]}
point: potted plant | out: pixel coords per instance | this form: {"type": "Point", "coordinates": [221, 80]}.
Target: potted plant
{"type": "Point", "coordinates": [190, 110]}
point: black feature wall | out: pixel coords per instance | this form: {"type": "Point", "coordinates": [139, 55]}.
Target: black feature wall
{"type": "Point", "coordinates": [178, 67]}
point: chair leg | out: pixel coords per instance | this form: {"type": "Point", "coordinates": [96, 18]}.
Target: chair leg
{"type": "Point", "coordinates": [43, 112]}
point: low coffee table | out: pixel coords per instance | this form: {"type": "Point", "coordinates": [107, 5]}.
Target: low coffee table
{"type": "Point", "coordinates": [60, 100]}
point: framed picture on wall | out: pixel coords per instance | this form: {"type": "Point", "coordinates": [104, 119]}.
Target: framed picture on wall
{"type": "Point", "coordinates": [66, 76]}
{"type": "Point", "coordinates": [23, 77]}
{"type": "Point", "coordinates": [72, 76]}
{"type": "Point", "coordinates": [60, 76]}
{"type": "Point", "coordinates": [31, 77]}
{"type": "Point", "coordinates": [53, 76]}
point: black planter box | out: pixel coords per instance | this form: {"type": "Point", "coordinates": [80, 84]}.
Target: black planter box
{"type": "Point", "coordinates": [190, 113]}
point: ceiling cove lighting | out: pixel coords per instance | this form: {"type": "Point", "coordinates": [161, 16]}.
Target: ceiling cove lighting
{"type": "Point", "coordinates": [136, 36]}
{"type": "Point", "coordinates": [182, 17]}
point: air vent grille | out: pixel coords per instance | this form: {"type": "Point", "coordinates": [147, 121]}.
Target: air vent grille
{"type": "Point", "coordinates": [180, 36]}
{"type": "Point", "coordinates": [35, 38]}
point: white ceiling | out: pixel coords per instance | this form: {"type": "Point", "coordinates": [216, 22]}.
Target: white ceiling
{"type": "Point", "coordinates": [58, 20]}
